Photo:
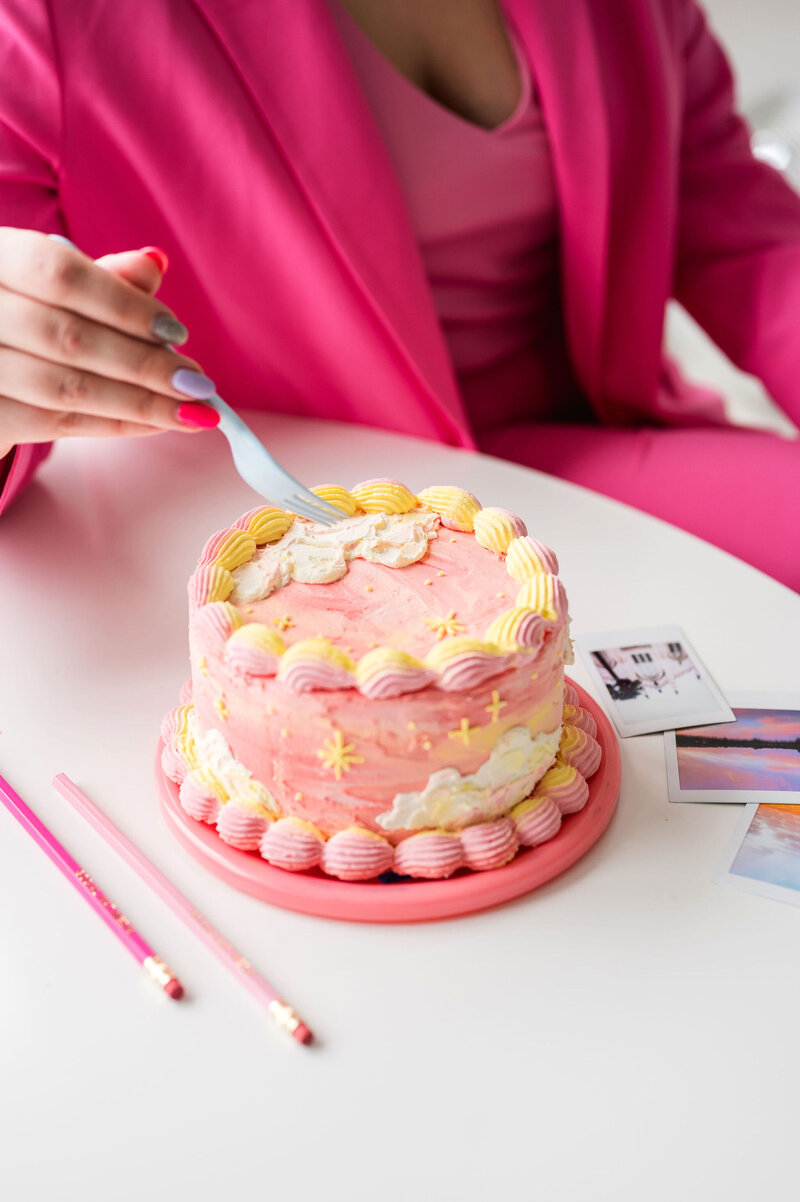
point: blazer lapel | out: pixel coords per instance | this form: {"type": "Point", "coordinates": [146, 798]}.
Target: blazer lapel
{"type": "Point", "coordinates": [292, 61]}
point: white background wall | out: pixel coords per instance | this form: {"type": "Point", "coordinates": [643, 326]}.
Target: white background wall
{"type": "Point", "coordinates": [763, 39]}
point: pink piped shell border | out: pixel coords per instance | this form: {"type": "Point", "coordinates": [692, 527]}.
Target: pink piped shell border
{"type": "Point", "coordinates": [357, 854]}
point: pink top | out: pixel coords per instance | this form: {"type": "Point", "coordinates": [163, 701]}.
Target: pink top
{"type": "Point", "coordinates": [483, 206]}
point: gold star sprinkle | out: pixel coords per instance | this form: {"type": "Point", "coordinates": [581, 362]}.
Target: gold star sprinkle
{"type": "Point", "coordinates": [336, 754]}
{"type": "Point", "coordinates": [534, 675]}
{"type": "Point", "coordinates": [440, 573]}
{"type": "Point", "coordinates": [202, 665]}
{"type": "Point", "coordinates": [453, 540]}
{"type": "Point", "coordinates": [270, 709]}
{"type": "Point", "coordinates": [429, 582]}
{"type": "Point", "coordinates": [463, 732]}
{"type": "Point", "coordinates": [412, 726]}
{"type": "Point", "coordinates": [427, 744]}
{"type": "Point", "coordinates": [369, 589]}
{"type": "Point", "coordinates": [283, 623]}
{"type": "Point", "coordinates": [496, 706]}
{"type": "Point", "coordinates": [284, 733]}
{"type": "Point", "coordinates": [298, 796]}
{"type": "Point", "coordinates": [221, 708]}
{"type": "Point", "coordinates": [248, 609]}
{"type": "Point", "coordinates": [444, 626]}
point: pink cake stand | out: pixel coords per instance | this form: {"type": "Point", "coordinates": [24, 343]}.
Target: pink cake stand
{"type": "Point", "coordinates": [406, 901]}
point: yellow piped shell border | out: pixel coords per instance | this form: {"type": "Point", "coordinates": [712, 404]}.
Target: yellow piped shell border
{"type": "Point", "coordinates": [457, 509]}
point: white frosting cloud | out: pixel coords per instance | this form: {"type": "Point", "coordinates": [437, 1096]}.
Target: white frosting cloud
{"type": "Point", "coordinates": [452, 801]}
{"type": "Point", "coordinates": [314, 554]}
{"type": "Point", "coordinates": [215, 754]}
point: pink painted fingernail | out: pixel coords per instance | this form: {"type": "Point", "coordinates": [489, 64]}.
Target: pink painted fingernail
{"type": "Point", "coordinates": [201, 417]}
{"type": "Point", "coordinates": [158, 256]}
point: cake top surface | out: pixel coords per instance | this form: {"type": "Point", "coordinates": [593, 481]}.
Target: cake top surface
{"type": "Point", "coordinates": [407, 590]}
{"type": "Point", "coordinates": [454, 587]}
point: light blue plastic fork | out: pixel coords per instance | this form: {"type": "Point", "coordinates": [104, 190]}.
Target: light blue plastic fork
{"type": "Point", "coordinates": [264, 474]}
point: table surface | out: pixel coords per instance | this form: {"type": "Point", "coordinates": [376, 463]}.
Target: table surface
{"type": "Point", "coordinates": [622, 1031]}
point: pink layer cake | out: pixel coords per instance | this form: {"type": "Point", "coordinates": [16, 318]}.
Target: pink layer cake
{"type": "Point", "coordinates": [383, 694]}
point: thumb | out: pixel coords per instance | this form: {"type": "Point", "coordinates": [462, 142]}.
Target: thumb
{"type": "Point", "coordinates": [143, 268]}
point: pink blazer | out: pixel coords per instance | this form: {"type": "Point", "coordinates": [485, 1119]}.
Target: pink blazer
{"type": "Point", "coordinates": [234, 134]}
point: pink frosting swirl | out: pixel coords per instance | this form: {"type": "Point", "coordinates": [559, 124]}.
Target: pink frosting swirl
{"type": "Point", "coordinates": [431, 855]}
{"type": "Point", "coordinates": [580, 750]}
{"type": "Point", "coordinates": [303, 675]}
{"type": "Point", "coordinates": [252, 661]}
{"type": "Point", "coordinates": [531, 630]}
{"type": "Point", "coordinates": [538, 824]}
{"type": "Point", "coordinates": [215, 620]}
{"type": "Point", "coordinates": [169, 725]}
{"type": "Point", "coordinates": [198, 800]}
{"type": "Point", "coordinates": [394, 680]}
{"type": "Point", "coordinates": [569, 795]}
{"type": "Point", "coordinates": [241, 827]}
{"type": "Point", "coordinates": [213, 544]}
{"type": "Point", "coordinates": [489, 844]}
{"type": "Point", "coordinates": [203, 580]}
{"type": "Point", "coordinates": [470, 669]}
{"type": "Point", "coordinates": [292, 844]}
{"type": "Point", "coordinates": [571, 694]}
{"type": "Point", "coordinates": [172, 764]}
{"type": "Point", "coordinates": [574, 715]}
{"type": "Point", "coordinates": [546, 555]}
{"type": "Point", "coordinates": [356, 855]}
{"type": "Point", "coordinates": [186, 695]}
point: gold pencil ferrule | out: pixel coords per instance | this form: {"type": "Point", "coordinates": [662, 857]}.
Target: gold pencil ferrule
{"type": "Point", "coordinates": [158, 971]}
{"type": "Point", "coordinates": [284, 1015]}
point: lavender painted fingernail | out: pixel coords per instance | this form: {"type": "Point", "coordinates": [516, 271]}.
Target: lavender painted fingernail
{"type": "Point", "coordinates": [169, 329]}
{"type": "Point", "coordinates": [192, 384]}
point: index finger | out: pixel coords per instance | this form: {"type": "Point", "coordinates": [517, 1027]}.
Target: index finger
{"type": "Point", "coordinates": [45, 269]}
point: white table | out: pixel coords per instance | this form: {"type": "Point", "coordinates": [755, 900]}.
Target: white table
{"type": "Point", "coordinates": [627, 1032]}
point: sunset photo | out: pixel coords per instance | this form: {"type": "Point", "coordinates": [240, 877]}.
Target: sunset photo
{"type": "Point", "coordinates": [759, 751]}
{"type": "Point", "coordinates": [770, 851]}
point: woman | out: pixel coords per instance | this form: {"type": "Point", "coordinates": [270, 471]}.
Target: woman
{"type": "Point", "coordinates": [460, 220]}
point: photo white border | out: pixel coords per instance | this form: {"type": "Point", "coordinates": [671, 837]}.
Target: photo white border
{"type": "Point", "coordinates": [749, 884]}
{"type": "Point", "coordinates": [609, 639]}
{"type": "Point", "coordinates": [740, 700]}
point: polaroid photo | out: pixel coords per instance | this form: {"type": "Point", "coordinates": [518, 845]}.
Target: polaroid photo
{"type": "Point", "coordinates": [652, 680]}
{"type": "Point", "coordinates": [764, 855]}
{"type": "Point", "coordinates": [755, 758]}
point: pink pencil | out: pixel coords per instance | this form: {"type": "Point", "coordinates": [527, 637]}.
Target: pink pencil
{"type": "Point", "coordinates": [283, 1014]}
{"type": "Point", "coordinates": [101, 905]}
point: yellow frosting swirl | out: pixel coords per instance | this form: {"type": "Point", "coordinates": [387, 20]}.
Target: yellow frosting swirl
{"type": "Point", "coordinates": [213, 783]}
{"type": "Point", "coordinates": [383, 658]}
{"type": "Point", "coordinates": [449, 649]}
{"type": "Point", "coordinates": [258, 636]}
{"type": "Point", "coordinates": [494, 530]}
{"type": "Point", "coordinates": [269, 524]}
{"type": "Point", "coordinates": [504, 629]}
{"type": "Point", "coordinates": [220, 583]}
{"type": "Point", "coordinates": [182, 718]}
{"type": "Point", "coordinates": [384, 496]}
{"type": "Point", "coordinates": [525, 807]}
{"type": "Point", "coordinates": [538, 593]}
{"type": "Point", "coordinates": [556, 777]}
{"type": "Point", "coordinates": [236, 549]}
{"type": "Point", "coordinates": [522, 562]}
{"type": "Point", "coordinates": [230, 613]}
{"type": "Point", "coordinates": [339, 497]}
{"type": "Point", "coordinates": [456, 507]}
{"type": "Point", "coordinates": [320, 649]}
{"type": "Point", "coordinates": [186, 748]}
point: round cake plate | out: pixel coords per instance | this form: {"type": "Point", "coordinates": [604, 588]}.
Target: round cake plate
{"type": "Point", "coordinates": [411, 900]}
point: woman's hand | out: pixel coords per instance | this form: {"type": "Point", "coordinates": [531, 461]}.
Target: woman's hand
{"type": "Point", "coordinates": [83, 346]}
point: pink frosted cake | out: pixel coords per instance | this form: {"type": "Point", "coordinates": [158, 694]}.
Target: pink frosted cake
{"type": "Point", "coordinates": [384, 694]}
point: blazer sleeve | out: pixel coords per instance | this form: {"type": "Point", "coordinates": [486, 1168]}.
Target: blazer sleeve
{"type": "Point", "coordinates": [30, 137]}
{"type": "Point", "coordinates": [738, 244]}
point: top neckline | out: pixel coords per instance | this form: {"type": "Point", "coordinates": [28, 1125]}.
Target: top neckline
{"type": "Point", "coordinates": [430, 102]}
